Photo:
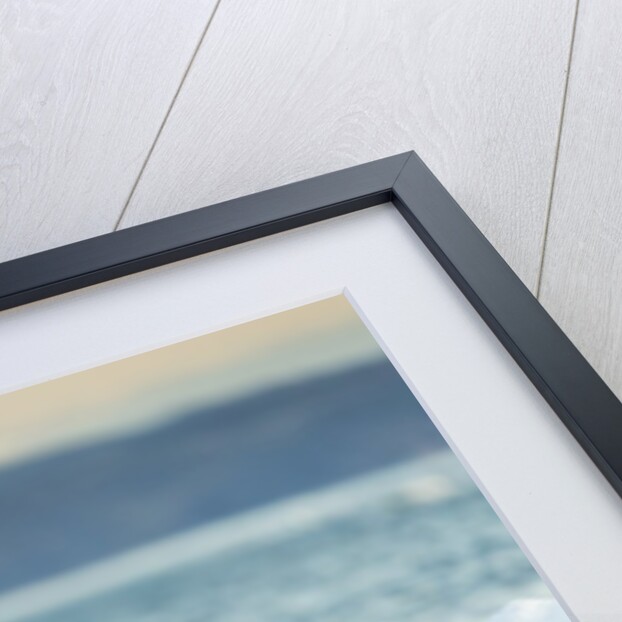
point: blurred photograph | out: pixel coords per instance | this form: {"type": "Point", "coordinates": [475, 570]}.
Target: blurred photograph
{"type": "Point", "coordinates": [278, 470]}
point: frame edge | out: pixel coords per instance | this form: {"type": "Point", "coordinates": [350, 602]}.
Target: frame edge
{"type": "Point", "coordinates": [564, 378]}
{"type": "Point", "coordinates": [153, 244]}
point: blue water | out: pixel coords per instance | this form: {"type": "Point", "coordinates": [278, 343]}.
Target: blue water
{"type": "Point", "coordinates": [438, 554]}
{"type": "Point", "coordinates": [85, 503]}
{"type": "Point", "coordinates": [392, 559]}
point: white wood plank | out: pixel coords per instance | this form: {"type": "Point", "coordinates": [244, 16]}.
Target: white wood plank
{"type": "Point", "coordinates": [84, 87]}
{"type": "Point", "coordinates": [582, 275]}
{"type": "Point", "coordinates": [281, 91]}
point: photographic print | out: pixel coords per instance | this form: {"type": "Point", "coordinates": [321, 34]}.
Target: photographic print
{"type": "Point", "coordinates": [278, 470]}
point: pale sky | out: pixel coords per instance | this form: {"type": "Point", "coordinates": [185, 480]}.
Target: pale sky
{"type": "Point", "coordinates": [149, 388]}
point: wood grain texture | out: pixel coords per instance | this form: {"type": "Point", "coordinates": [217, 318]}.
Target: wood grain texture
{"type": "Point", "coordinates": [279, 92]}
{"type": "Point", "coordinates": [84, 87]}
{"type": "Point", "coordinates": [582, 275]}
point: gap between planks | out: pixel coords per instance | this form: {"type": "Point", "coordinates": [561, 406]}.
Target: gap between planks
{"type": "Point", "coordinates": [167, 114]}
{"type": "Point", "coordinates": [547, 218]}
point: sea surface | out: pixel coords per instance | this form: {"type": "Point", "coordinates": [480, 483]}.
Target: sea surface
{"type": "Point", "coordinates": [414, 542]}
{"type": "Point", "coordinates": [333, 499]}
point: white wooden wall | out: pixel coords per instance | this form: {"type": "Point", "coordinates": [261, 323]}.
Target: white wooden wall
{"type": "Point", "coordinates": [115, 113]}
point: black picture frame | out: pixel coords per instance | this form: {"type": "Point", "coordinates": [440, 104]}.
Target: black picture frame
{"type": "Point", "coordinates": [572, 388]}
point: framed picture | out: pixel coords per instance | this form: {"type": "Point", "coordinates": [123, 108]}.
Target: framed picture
{"type": "Point", "coordinates": [332, 400]}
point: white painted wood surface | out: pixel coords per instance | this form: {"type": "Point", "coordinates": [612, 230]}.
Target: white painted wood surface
{"type": "Point", "coordinates": [282, 91]}
{"type": "Point", "coordinates": [582, 271]}
{"type": "Point", "coordinates": [84, 87]}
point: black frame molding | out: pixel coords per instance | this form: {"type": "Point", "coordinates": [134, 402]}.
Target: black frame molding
{"type": "Point", "coordinates": [581, 399]}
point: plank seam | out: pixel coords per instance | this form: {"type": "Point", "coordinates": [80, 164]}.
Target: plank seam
{"type": "Point", "coordinates": [167, 115]}
{"type": "Point", "coordinates": [547, 218]}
